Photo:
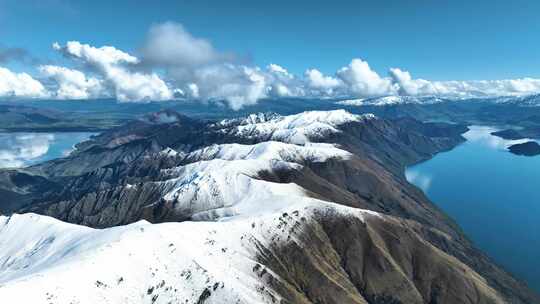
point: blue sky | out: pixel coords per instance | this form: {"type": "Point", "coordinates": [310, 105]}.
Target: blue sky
{"type": "Point", "coordinates": [227, 51]}
{"type": "Point", "coordinates": [437, 40]}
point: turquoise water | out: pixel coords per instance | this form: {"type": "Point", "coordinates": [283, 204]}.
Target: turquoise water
{"type": "Point", "coordinates": [493, 195]}
{"type": "Point", "coordinates": [20, 149]}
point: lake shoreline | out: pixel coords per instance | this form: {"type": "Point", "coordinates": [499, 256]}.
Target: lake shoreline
{"type": "Point", "coordinates": [471, 183]}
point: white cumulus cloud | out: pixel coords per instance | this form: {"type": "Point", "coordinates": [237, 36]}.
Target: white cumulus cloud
{"type": "Point", "coordinates": [316, 79]}
{"type": "Point", "coordinates": [238, 85]}
{"type": "Point", "coordinates": [362, 81]}
{"type": "Point", "coordinates": [201, 72]}
{"type": "Point", "coordinates": [275, 68]}
{"type": "Point", "coordinates": [173, 63]}
{"type": "Point", "coordinates": [73, 84]}
{"type": "Point", "coordinates": [103, 56]}
{"type": "Point", "coordinates": [114, 66]}
{"type": "Point", "coordinates": [169, 44]}
{"type": "Point", "coordinates": [282, 83]}
{"type": "Point", "coordinates": [475, 88]}
{"type": "Point", "coordinates": [20, 85]}
{"type": "Point", "coordinates": [409, 86]}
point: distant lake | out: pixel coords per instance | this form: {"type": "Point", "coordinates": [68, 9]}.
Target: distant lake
{"type": "Point", "coordinates": [493, 194]}
{"type": "Point", "coordinates": [20, 149]}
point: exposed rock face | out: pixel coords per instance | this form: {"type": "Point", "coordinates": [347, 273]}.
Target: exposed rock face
{"type": "Point", "coordinates": [171, 168]}
{"type": "Point", "coordinates": [530, 148]}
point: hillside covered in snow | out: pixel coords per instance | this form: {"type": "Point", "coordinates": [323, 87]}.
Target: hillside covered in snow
{"type": "Point", "coordinates": [305, 208]}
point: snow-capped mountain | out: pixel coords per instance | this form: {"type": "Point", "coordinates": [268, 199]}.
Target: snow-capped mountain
{"type": "Point", "coordinates": [392, 100]}
{"type": "Point", "coordinates": [223, 180]}
{"type": "Point", "coordinates": [208, 168]}
{"type": "Point", "coordinates": [525, 100]}
{"type": "Point", "coordinates": [189, 262]}
{"type": "Point", "coordinates": [296, 129]}
{"type": "Point", "coordinates": [305, 208]}
{"type": "Point", "coordinates": [241, 260]}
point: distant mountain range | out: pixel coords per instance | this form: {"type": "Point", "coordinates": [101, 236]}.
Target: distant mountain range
{"type": "Point", "coordinates": [310, 207]}
{"type": "Point", "coordinates": [99, 115]}
{"type": "Point", "coordinates": [525, 101]}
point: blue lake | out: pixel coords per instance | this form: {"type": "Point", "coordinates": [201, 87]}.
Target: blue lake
{"type": "Point", "coordinates": [493, 195]}
{"type": "Point", "coordinates": [20, 149]}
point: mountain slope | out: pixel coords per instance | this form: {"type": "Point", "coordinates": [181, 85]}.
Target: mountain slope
{"type": "Point", "coordinates": [296, 255]}
{"type": "Point", "coordinates": [132, 182]}
{"type": "Point", "coordinates": [340, 224]}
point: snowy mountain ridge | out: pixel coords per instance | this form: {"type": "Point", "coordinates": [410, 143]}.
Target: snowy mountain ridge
{"type": "Point", "coordinates": [305, 208]}
{"type": "Point", "coordinates": [520, 100]}
{"type": "Point", "coordinates": [296, 129]}
{"type": "Point", "coordinates": [318, 152]}
{"type": "Point", "coordinates": [219, 182]}
{"type": "Point", "coordinates": [188, 262]}
{"type": "Point", "coordinates": [222, 180]}
{"type": "Point", "coordinates": [391, 100]}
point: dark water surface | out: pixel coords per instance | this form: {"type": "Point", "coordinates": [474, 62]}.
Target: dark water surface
{"type": "Point", "coordinates": [493, 194]}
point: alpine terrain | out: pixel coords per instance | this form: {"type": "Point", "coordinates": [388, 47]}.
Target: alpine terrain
{"type": "Point", "coordinates": [312, 207]}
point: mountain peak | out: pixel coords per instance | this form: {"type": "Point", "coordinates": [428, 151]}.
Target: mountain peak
{"type": "Point", "coordinates": [297, 128]}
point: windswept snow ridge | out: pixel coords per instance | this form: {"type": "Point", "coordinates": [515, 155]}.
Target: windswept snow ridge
{"type": "Point", "coordinates": [271, 150]}
{"type": "Point", "coordinates": [296, 129]}
{"type": "Point", "coordinates": [188, 262]}
{"type": "Point", "coordinates": [223, 179]}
